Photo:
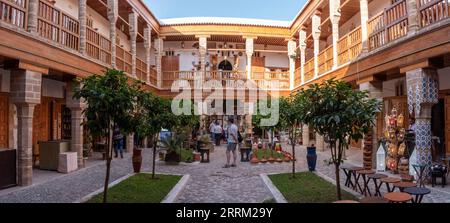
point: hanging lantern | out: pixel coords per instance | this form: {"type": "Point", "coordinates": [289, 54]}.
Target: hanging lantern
{"type": "Point", "coordinates": [381, 159]}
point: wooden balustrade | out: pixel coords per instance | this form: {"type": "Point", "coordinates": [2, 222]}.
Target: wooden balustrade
{"type": "Point", "coordinates": [141, 70]}
{"type": "Point", "coordinates": [153, 76]}
{"type": "Point", "coordinates": [98, 46]}
{"type": "Point", "coordinates": [57, 26]}
{"type": "Point", "coordinates": [326, 60]}
{"type": "Point", "coordinates": [432, 11]}
{"type": "Point", "coordinates": [123, 60]}
{"type": "Point", "coordinates": [270, 75]}
{"type": "Point", "coordinates": [14, 12]}
{"type": "Point", "coordinates": [389, 25]}
{"type": "Point", "coordinates": [309, 70]}
{"type": "Point", "coordinates": [349, 46]}
{"type": "Point", "coordinates": [298, 76]}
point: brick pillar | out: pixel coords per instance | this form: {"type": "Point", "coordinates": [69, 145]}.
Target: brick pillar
{"type": "Point", "coordinates": [292, 46]}
{"type": "Point", "coordinates": [25, 94]}
{"type": "Point", "coordinates": [413, 16]}
{"type": "Point", "coordinates": [364, 9]}
{"type": "Point", "coordinates": [32, 15]}
{"type": "Point", "coordinates": [423, 92]}
{"type": "Point", "coordinates": [148, 47]}
{"type": "Point", "coordinates": [305, 135]}
{"type": "Point", "coordinates": [249, 48]}
{"type": "Point", "coordinates": [82, 20]}
{"type": "Point", "coordinates": [113, 14]}
{"type": "Point", "coordinates": [335, 16]}
{"type": "Point", "coordinates": [316, 37]}
{"type": "Point", "coordinates": [302, 45]}
{"type": "Point", "coordinates": [375, 90]}
{"type": "Point", "coordinates": [159, 45]}
{"type": "Point", "coordinates": [76, 107]}
{"type": "Point", "coordinates": [132, 20]}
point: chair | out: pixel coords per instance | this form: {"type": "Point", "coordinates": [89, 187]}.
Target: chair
{"type": "Point", "coordinates": [439, 171]}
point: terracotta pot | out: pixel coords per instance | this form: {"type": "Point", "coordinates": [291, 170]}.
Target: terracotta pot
{"type": "Point", "coordinates": [254, 159]}
{"type": "Point", "coordinates": [137, 160]}
{"type": "Point", "coordinates": [196, 157]}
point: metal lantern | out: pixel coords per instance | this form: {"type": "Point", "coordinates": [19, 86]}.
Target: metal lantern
{"type": "Point", "coordinates": [381, 159]}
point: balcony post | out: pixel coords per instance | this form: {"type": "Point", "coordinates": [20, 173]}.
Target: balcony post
{"type": "Point", "coordinates": [316, 21]}
{"type": "Point", "coordinates": [364, 9]}
{"type": "Point", "coordinates": [148, 47]}
{"type": "Point", "coordinates": [302, 46]}
{"type": "Point", "coordinates": [203, 48]}
{"type": "Point", "coordinates": [292, 45]}
{"type": "Point", "coordinates": [159, 45]}
{"type": "Point", "coordinates": [132, 20]}
{"type": "Point", "coordinates": [249, 49]}
{"type": "Point", "coordinates": [82, 20]}
{"type": "Point", "coordinates": [113, 14]}
{"type": "Point", "coordinates": [335, 16]}
{"type": "Point", "coordinates": [413, 16]}
{"type": "Point", "coordinates": [33, 6]}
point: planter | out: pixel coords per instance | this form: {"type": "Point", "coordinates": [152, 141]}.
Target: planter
{"type": "Point", "coordinates": [196, 156]}
{"type": "Point", "coordinates": [137, 160]}
{"type": "Point", "coordinates": [311, 157]}
{"type": "Point", "coordinates": [172, 158]}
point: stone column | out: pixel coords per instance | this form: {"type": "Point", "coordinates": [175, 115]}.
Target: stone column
{"type": "Point", "coordinates": [292, 46]}
{"type": "Point", "coordinates": [249, 49]}
{"type": "Point", "coordinates": [375, 90]}
{"type": "Point", "coordinates": [82, 20]}
{"type": "Point", "coordinates": [76, 107]}
{"type": "Point", "coordinates": [364, 9]}
{"type": "Point", "coordinates": [25, 94]}
{"type": "Point", "coordinates": [302, 46]}
{"type": "Point", "coordinates": [113, 14]}
{"type": "Point", "coordinates": [320, 142]}
{"type": "Point", "coordinates": [316, 37]}
{"type": "Point", "coordinates": [33, 6]}
{"type": "Point", "coordinates": [159, 45]}
{"type": "Point", "coordinates": [305, 135]}
{"type": "Point", "coordinates": [203, 45]}
{"type": "Point", "coordinates": [133, 21]}
{"type": "Point", "coordinates": [423, 92]}
{"type": "Point", "coordinates": [148, 47]}
{"type": "Point", "coordinates": [413, 16]}
{"type": "Point", "coordinates": [335, 16]}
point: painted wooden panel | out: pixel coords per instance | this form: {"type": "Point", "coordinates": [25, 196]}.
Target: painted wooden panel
{"type": "Point", "coordinates": [170, 63]}
{"type": "Point", "coordinates": [41, 131]}
{"type": "Point", "coordinates": [4, 108]}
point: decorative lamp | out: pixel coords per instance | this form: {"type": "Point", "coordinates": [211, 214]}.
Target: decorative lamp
{"type": "Point", "coordinates": [381, 159]}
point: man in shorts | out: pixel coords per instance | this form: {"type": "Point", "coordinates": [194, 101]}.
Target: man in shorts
{"type": "Point", "coordinates": [232, 142]}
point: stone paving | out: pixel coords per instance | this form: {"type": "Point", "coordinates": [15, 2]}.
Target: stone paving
{"type": "Point", "coordinates": [209, 183]}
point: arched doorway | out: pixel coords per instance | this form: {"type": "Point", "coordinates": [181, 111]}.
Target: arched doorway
{"type": "Point", "coordinates": [225, 66]}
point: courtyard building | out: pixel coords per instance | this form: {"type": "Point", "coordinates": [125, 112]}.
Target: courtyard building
{"type": "Point", "coordinates": [398, 50]}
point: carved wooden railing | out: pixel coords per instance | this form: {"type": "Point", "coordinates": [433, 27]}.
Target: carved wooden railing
{"type": "Point", "coordinates": [153, 76]}
{"type": "Point", "coordinates": [141, 70]}
{"type": "Point", "coordinates": [432, 11]}
{"type": "Point", "coordinates": [98, 46]}
{"type": "Point", "coordinates": [268, 80]}
{"type": "Point", "coordinates": [57, 26]}
{"type": "Point", "coordinates": [389, 25]}
{"type": "Point", "coordinates": [349, 46]}
{"type": "Point", "coordinates": [326, 60]}
{"type": "Point", "coordinates": [14, 12]}
{"type": "Point", "coordinates": [298, 77]}
{"type": "Point", "coordinates": [309, 70]}
{"type": "Point", "coordinates": [123, 59]}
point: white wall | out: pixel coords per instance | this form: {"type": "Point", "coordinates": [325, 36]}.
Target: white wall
{"type": "Point", "coordinates": [52, 88]}
{"type": "Point", "coordinates": [389, 87]}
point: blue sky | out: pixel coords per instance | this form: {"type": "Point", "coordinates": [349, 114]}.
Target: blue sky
{"type": "Point", "coordinates": [258, 9]}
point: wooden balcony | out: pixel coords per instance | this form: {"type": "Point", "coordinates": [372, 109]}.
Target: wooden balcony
{"type": "Point", "coordinates": [298, 76]}
{"type": "Point", "coordinates": [432, 11]}
{"type": "Point", "coordinates": [98, 46]}
{"type": "Point", "coordinates": [14, 12]}
{"type": "Point", "coordinates": [326, 60]}
{"type": "Point", "coordinates": [309, 70]}
{"type": "Point", "coordinates": [123, 60]}
{"type": "Point", "coordinates": [153, 77]}
{"type": "Point", "coordinates": [141, 70]}
{"type": "Point", "coordinates": [349, 46]}
{"type": "Point", "coordinates": [58, 26]}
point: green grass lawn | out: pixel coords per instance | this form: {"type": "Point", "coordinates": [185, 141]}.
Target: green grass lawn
{"type": "Point", "coordinates": [307, 187]}
{"type": "Point", "coordinates": [139, 188]}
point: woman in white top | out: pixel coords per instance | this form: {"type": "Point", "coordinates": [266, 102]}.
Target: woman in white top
{"type": "Point", "coordinates": [217, 133]}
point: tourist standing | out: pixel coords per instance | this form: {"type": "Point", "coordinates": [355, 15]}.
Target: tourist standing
{"type": "Point", "coordinates": [211, 130]}
{"type": "Point", "coordinates": [217, 133]}
{"type": "Point", "coordinates": [118, 142]}
{"type": "Point", "coordinates": [232, 143]}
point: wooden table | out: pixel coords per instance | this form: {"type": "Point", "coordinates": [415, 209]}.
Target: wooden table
{"type": "Point", "coordinates": [353, 171]}
{"type": "Point", "coordinates": [348, 175]}
{"type": "Point", "coordinates": [418, 192]}
{"type": "Point", "coordinates": [375, 178]}
{"type": "Point", "coordinates": [403, 185]}
{"type": "Point", "coordinates": [398, 197]}
{"type": "Point", "coordinates": [364, 173]}
{"type": "Point", "coordinates": [388, 181]}
{"type": "Point", "coordinates": [374, 200]}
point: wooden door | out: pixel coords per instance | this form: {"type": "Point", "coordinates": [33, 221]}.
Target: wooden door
{"type": "Point", "coordinates": [41, 117]}
{"type": "Point", "coordinates": [258, 67]}
{"type": "Point", "coordinates": [170, 63]}
{"type": "Point", "coordinates": [447, 124]}
{"type": "Point", "coordinates": [4, 126]}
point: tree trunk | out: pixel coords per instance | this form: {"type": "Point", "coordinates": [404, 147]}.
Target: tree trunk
{"type": "Point", "coordinates": [338, 181]}
{"type": "Point", "coordinates": [108, 165]}
{"type": "Point", "coordinates": [154, 157]}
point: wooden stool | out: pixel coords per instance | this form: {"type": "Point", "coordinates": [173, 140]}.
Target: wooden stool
{"type": "Point", "coordinates": [364, 173]}
{"type": "Point", "coordinates": [402, 185]}
{"type": "Point", "coordinates": [388, 181]}
{"type": "Point", "coordinates": [353, 171]}
{"type": "Point", "coordinates": [348, 175]}
{"type": "Point", "coordinates": [373, 200]}
{"type": "Point", "coordinates": [375, 178]}
{"type": "Point", "coordinates": [398, 197]}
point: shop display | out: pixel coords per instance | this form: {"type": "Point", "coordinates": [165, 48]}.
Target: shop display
{"type": "Point", "coordinates": [397, 159]}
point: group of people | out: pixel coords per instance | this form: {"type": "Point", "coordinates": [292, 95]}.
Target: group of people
{"type": "Point", "coordinates": [231, 134]}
